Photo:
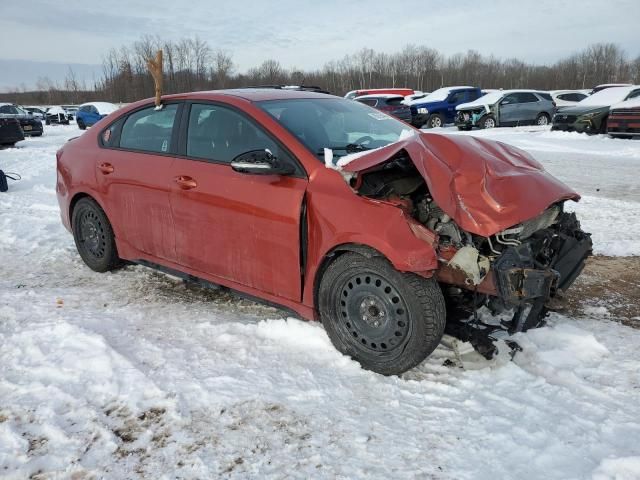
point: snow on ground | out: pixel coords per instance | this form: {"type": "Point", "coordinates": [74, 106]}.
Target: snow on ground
{"type": "Point", "coordinates": [134, 374]}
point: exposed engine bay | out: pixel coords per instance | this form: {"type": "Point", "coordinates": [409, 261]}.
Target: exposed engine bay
{"type": "Point", "coordinates": [518, 269]}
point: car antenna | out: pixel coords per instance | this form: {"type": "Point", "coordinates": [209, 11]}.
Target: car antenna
{"type": "Point", "coordinates": [155, 67]}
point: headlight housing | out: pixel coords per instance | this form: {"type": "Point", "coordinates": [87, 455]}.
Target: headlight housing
{"type": "Point", "coordinates": [423, 110]}
{"type": "Point", "coordinates": [588, 116]}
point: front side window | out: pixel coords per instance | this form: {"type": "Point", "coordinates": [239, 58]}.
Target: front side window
{"type": "Point", "coordinates": [149, 130]}
{"type": "Point", "coordinates": [221, 134]}
{"type": "Point", "coordinates": [340, 125]}
{"type": "Point", "coordinates": [457, 97]}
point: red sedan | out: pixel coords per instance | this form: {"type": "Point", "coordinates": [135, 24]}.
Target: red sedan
{"type": "Point", "coordinates": [327, 207]}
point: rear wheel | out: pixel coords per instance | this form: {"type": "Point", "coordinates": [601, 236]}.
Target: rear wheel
{"type": "Point", "coordinates": [487, 122]}
{"type": "Point", "coordinates": [94, 236]}
{"type": "Point", "coordinates": [435, 121]}
{"type": "Point", "coordinates": [81, 125]}
{"type": "Point", "coordinates": [386, 320]}
{"type": "Point", "coordinates": [542, 119]}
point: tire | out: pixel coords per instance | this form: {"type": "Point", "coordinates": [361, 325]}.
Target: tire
{"type": "Point", "coordinates": [81, 125]}
{"type": "Point", "coordinates": [94, 236]}
{"type": "Point", "coordinates": [435, 121]}
{"type": "Point", "coordinates": [386, 320]}
{"type": "Point", "coordinates": [47, 122]}
{"type": "Point", "coordinates": [542, 119]}
{"type": "Point", "coordinates": [487, 122]}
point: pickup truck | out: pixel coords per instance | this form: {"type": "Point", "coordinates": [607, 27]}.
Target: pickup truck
{"type": "Point", "coordinates": [439, 107]}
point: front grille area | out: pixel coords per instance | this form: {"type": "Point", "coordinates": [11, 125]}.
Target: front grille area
{"type": "Point", "coordinates": [559, 118]}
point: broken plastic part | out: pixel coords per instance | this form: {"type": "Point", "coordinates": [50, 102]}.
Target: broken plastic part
{"type": "Point", "coordinates": [474, 265]}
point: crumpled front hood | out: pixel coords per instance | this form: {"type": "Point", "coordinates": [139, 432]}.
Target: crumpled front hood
{"type": "Point", "coordinates": [484, 185]}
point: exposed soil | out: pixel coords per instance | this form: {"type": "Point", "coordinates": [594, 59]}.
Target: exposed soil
{"type": "Point", "coordinates": [609, 282]}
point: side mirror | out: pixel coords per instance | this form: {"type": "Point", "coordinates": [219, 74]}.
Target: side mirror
{"type": "Point", "coordinates": [260, 162]}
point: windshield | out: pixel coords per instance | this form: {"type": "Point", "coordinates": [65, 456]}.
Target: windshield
{"type": "Point", "coordinates": [607, 97]}
{"type": "Point", "coordinates": [341, 125]}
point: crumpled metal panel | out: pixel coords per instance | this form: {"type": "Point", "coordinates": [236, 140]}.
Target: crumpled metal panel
{"type": "Point", "coordinates": [485, 186]}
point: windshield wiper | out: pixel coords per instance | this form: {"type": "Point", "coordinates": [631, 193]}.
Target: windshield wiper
{"type": "Point", "coordinates": [350, 148]}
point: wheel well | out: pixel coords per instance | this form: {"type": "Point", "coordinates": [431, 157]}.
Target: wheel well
{"type": "Point", "coordinates": [77, 197]}
{"type": "Point", "coordinates": [334, 253]}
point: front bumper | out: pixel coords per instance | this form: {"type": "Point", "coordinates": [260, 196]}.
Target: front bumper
{"type": "Point", "coordinates": [419, 119]}
{"type": "Point", "coordinates": [623, 124]}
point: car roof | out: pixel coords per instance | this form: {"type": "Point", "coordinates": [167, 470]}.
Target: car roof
{"type": "Point", "coordinates": [380, 95]}
{"type": "Point", "coordinates": [253, 94]}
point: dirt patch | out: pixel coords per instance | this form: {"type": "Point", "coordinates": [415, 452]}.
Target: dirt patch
{"type": "Point", "coordinates": [609, 282]}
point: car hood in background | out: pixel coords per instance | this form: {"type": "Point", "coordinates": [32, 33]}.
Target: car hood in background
{"type": "Point", "coordinates": [484, 185]}
{"type": "Point", "coordinates": [581, 110]}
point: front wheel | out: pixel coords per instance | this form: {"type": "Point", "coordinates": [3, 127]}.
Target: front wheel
{"type": "Point", "coordinates": [81, 125]}
{"type": "Point", "coordinates": [93, 235]}
{"type": "Point", "coordinates": [487, 122]}
{"type": "Point", "coordinates": [386, 320]}
{"type": "Point", "coordinates": [435, 121]}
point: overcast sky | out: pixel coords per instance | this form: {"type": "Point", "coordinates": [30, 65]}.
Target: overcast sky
{"type": "Point", "coordinates": [307, 34]}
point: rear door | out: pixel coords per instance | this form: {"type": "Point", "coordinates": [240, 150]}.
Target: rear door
{"type": "Point", "coordinates": [241, 227]}
{"type": "Point", "coordinates": [133, 173]}
{"type": "Point", "coordinates": [530, 107]}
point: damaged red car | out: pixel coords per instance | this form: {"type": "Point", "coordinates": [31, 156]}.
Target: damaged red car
{"type": "Point", "coordinates": [329, 208]}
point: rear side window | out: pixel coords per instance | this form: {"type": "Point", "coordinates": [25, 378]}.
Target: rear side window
{"type": "Point", "coordinates": [368, 101]}
{"type": "Point", "coordinates": [546, 96]}
{"type": "Point", "coordinates": [149, 130]}
{"type": "Point", "coordinates": [526, 97]}
{"type": "Point", "coordinates": [220, 134]}
{"type": "Point", "coordinates": [473, 95]}
{"type": "Point", "coordinates": [395, 101]}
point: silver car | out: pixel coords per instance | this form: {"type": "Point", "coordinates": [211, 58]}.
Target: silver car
{"type": "Point", "coordinates": [506, 108]}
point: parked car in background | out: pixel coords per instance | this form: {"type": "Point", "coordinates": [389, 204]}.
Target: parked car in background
{"type": "Point", "coordinates": [31, 126]}
{"type": "Point", "coordinates": [56, 115]}
{"type": "Point", "coordinates": [92, 112]}
{"type": "Point", "coordinates": [10, 131]}
{"type": "Point", "coordinates": [624, 119]}
{"type": "Point", "coordinates": [37, 112]}
{"type": "Point", "coordinates": [567, 98]}
{"type": "Point", "coordinates": [506, 108]}
{"type": "Point", "coordinates": [415, 96]}
{"type": "Point", "coordinates": [375, 91]}
{"type": "Point", "coordinates": [71, 111]}
{"type": "Point", "coordinates": [604, 86]}
{"type": "Point", "coordinates": [388, 103]}
{"type": "Point", "coordinates": [241, 188]}
{"type": "Point", "coordinates": [439, 107]}
{"type": "Point", "coordinates": [591, 114]}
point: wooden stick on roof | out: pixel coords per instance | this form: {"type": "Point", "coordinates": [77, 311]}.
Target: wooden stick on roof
{"type": "Point", "coordinates": [155, 67]}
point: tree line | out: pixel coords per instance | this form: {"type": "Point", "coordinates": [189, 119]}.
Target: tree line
{"type": "Point", "coordinates": [190, 64]}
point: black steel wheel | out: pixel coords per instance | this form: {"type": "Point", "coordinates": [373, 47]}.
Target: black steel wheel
{"type": "Point", "coordinates": [93, 236]}
{"type": "Point", "coordinates": [386, 320]}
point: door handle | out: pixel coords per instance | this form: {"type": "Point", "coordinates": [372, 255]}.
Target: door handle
{"type": "Point", "coordinates": [186, 183]}
{"type": "Point", "coordinates": [106, 168]}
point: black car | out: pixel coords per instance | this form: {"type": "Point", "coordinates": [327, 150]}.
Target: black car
{"type": "Point", "coordinates": [31, 126]}
{"type": "Point", "coordinates": [388, 103]}
{"type": "Point", "coordinates": [591, 114]}
{"type": "Point", "coordinates": [56, 116]}
{"type": "Point", "coordinates": [10, 131]}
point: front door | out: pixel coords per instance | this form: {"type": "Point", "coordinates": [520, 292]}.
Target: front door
{"type": "Point", "coordinates": [240, 227]}
{"type": "Point", "coordinates": [509, 110]}
{"type": "Point", "coordinates": [134, 177]}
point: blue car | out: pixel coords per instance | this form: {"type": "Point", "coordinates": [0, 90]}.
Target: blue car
{"type": "Point", "coordinates": [439, 107]}
{"type": "Point", "coordinates": [89, 114]}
